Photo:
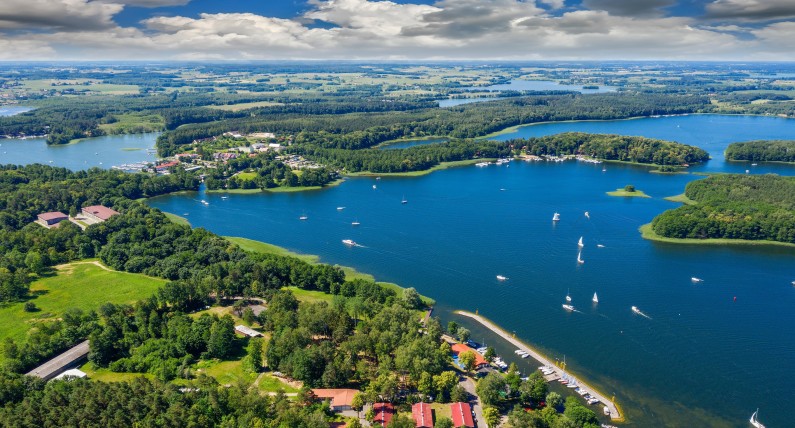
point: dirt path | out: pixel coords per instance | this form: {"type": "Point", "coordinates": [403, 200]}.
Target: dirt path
{"type": "Point", "coordinates": [69, 267]}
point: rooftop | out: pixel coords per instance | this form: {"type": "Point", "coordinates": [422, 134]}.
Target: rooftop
{"type": "Point", "coordinates": [462, 415]}
{"type": "Point", "coordinates": [100, 211]}
{"type": "Point", "coordinates": [340, 397]}
{"type": "Point", "coordinates": [422, 415]}
{"type": "Point", "coordinates": [52, 216]}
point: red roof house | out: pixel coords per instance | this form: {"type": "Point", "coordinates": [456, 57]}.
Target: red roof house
{"type": "Point", "coordinates": [99, 212]}
{"type": "Point", "coordinates": [340, 399]}
{"type": "Point", "coordinates": [422, 415]}
{"type": "Point", "coordinates": [462, 415]}
{"type": "Point", "coordinates": [383, 413]}
{"type": "Point", "coordinates": [52, 218]}
{"type": "Point", "coordinates": [458, 348]}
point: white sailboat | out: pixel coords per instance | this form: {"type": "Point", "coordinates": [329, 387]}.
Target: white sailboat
{"type": "Point", "coordinates": [303, 217]}
{"type": "Point", "coordinates": [588, 216]}
{"type": "Point", "coordinates": [579, 243]}
{"type": "Point", "coordinates": [579, 258]}
{"type": "Point", "coordinates": [374, 187]}
{"type": "Point", "coordinates": [755, 422]}
{"type": "Point", "coordinates": [404, 200]}
{"type": "Point", "coordinates": [595, 298]}
{"type": "Point", "coordinates": [502, 278]}
{"type": "Point", "coordinates": [694, 279]}
{"type": "Point", "coordinates": [556, 217]}
{"type": "Point", "coordinates": [568, 297]}
{"type": "Point", "coordinates": [600, 246]}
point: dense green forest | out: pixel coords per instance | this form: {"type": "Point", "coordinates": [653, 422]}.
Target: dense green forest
{"type": "Point", "coordinates": [751, 207]}
{"type": "Point", "coordinates": [613, 147]}
{"type": "Point", "coordinates": [762, 151]}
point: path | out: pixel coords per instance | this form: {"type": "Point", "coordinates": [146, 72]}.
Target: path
{"type": "Point", "coordinates": [96, 263]}
{"type": "Point", "coordinates": [469, 385]}
{"type": "Point", "coordinates": [614, 413]}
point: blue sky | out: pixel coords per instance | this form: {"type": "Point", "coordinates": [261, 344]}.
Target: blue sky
{"type": "Point", "coordinates": [743, 30]}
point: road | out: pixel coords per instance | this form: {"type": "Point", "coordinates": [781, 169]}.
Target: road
{"type": "Point", "coordinates": [469, 386]}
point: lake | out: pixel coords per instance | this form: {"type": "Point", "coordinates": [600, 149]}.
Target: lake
{"type": "Point", "coordinates": [701, 359]}
{"type": "Point", "coordinates": [102, 152]}
{"type": "Point", "coordinates": [521, 85]}
{"type": "Point", "coordinates": [11, 110]}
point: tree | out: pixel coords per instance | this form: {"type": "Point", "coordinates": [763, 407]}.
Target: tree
{"type": "Point", "coordinates": [30, 307]}
{"type": "Point", "coordinates": [629, 188]}
{"type": "Point", "coordinates": [492, 416]}
{"type": "Point", "coordinates": [490, 354]}
{"type": "Point", "coordinates": [253, 360]}
{"type": "Point", "coordinates": [222, 336]}
{"type": "Point", "coordinates": [452, 328]}
{"type": "Point", "coordinates": [248, 316]}
{"type": "Point", "coordinates": [467, 359]}
{"type": "Point", "coordinates": [491, 389]}
{"type": "Point", "coordinates": [444, 383]}
{"type": "Point", "coordinates": [401, 421]}
{"type": "Point", "coordinates": [357, 403]}
{"type": "Point", "coordinates": [459, 394]}
{"type": "Point", "coordinates": [463, 334]}
{"type": "Point", "coordinates": [412, 298]}
{"type": "Point", "coordinates": [355, 424]}
{"type": "Point", "coordinates": [578, 413]}
{"type": "Point", "coordinates": [444, 423]}
{"type": "Point", "coordinates": [425, 384]}
{"type": "Point", "coordinates": [554, 400]}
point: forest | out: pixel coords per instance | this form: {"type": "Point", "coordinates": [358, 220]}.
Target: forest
{"type": "Point", "coordinates": [762, 151]}
{"type": "Point", "coordinates": [732, 206]}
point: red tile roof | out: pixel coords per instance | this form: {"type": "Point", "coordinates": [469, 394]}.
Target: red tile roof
{"type": "Point", "coordinates": [339, 397]}
{"type": "Point", "coordinates": [100, 211]}
{"type": "Point", "coordinates": [383, 413]}
{"type": "Point", "coordinates": [422, 415]}
{"type": "Point", "coordinates": [458, 348]}
{"type": "Point", "coordinates": [462, 415]}
{"type": "Point", "coordinates": [55, 215]}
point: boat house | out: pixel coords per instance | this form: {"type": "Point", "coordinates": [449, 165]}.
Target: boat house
{"type": "Point", "coordinates": [459, 348]}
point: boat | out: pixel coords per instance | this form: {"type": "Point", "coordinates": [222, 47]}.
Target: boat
{"type": "Point", "coordinates": [224, 197]}
{"type": "Point", "coordinates": [355, 223]}
{"type": "Point", "coordinates": [793, 283]}
{"type": "Point", "coordinates": [607, 409]}
{"type": "Point", "coordinates": [374, 187]}
{"type": "Point", "coordinates": [303, 217]}
{"type": "Point", "coordinates": [349, 242]}
{"type": "Point", "coordinates": [568, 307]}
{"type": "Point", "coordinates": [579, 243]}
{"type": "Point", "coordinates": [579, 258]}
{"type": "Point", "coordinates": [599, 246]}
{"type": "Point", "coordinates": [753, 164]}
{"type": "Point", "coordinates": [604, 169]}
{"type": "Point", "coordinates": [755, 422]}
{"type": "Point", "coordinates": [556, 217]}
{"type": "Point", "coordinates": [568, 297]}
{"type": "Point", "coordinates": [501, 278]}
{"type": "Point", "coordinates": [636, 310]}
{"type": "Point", "coordinates": [205, 202]}
{"type": "Point", "coordinates": [378, 178]}
{"type": "Point", "coordinates": [588, 216]}
{"type": "Point", "coordinates": [694, 279]}
{"type": "Point", "coordinates": [340, 208]}
{"type": "Point", "coordinates": [595, 299]}
{"type": "Point", "coordinates": [404, 200]}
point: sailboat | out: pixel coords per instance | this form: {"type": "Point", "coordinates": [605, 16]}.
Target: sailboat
{"type": "Point", "coordinates": [355, 223]}
{"type": "Point", "coordinates": [556, 217]}
{"type": "Point", "coordinates": [579, 243]}
{"type": "Point", "coordinates": [303, 217]}
{"type": "Point", "coordinates": [754, 421]}
{"type": "Point", "coordinates": [568, 297]}
{"type": "Point", "coordinates": [579, 258]}
{"type": "Point", "coordinates": [404, 200]}
{"type": "Point", "coordinates": [588, 216]}
{"type": "Point", "coordinates": [374, 187]}
{"type": "Point", "coordinates": [595, 298]}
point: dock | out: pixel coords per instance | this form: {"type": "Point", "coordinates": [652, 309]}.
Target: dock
{"type": "Point", "coordinates": [558, 372]}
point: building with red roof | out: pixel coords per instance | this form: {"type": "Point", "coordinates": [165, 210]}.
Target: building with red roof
{"type": "Point", "coordinates": [423, 418]}
{"type": "Point", "coordinates": [462, 415]}
{"type": "Point", "coordinates": [459, 348]}
{"type": "Point", "coordinates": [98, 213]}
{"type": "Point", "coordinates": [340, 399]}
{"type": "Point", "coordinates": [52, 218]}
{"type": "Point", "coordinates": [383, 413]}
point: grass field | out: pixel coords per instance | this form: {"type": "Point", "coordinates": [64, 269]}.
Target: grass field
{"type": "Point", "coordinates": [269, 383]}
{"type": "Point", "coordinates": [623, 193]}
{"type": "Point", "coordinates": [83, 285]}
{"type": "Point", "coordinates": [243, 106]}
{"type": "Point", "coordinates": [80, 85]}
{"type": "Point", "coordinates": [246, 175]}
{"type": "Point", "coordinates": [177, 219]}
{"type": "Point", "coordinates": [681, 198]}
{"type": "Point", "coordinates": [135, 123]}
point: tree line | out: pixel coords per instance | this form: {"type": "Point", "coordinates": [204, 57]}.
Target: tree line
{"type": "Point", "coordinates": [762, 151]}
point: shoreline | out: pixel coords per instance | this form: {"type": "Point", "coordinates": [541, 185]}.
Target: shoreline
{"type": "Point", "coordinates": [439, 167]}
{"type": "Point", "coordinates": [621, 193]}
{"type": "Point", "coordinates": [646, 232]}
{"type": "Point", "coordinates": [616, 414]}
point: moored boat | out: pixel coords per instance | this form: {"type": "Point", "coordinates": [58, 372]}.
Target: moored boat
{"type": "Point", "coordinates": [556, 217]}
{"type": "Point", "coordinates": [501, 278]}
{"type": "Point", "coordinates": [595, 298]}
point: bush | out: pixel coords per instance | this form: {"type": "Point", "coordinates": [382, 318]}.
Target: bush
{"type": "Point", "coordinates": [30, 307]}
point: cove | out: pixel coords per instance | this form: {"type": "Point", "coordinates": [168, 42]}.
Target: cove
{"type": "Point", "coordinates": [700, 359]}
{"type": "Point", "coordinates": [102, 152]}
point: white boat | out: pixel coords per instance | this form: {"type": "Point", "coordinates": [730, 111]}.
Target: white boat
{"type": "Point", "coordinates": [501, 278]}
{"type": "Point", "coordinates": [595, 298]}
{"type": "Point", "coordinates": [556, 217]}
{"type": "Point", "coordinates": [636, 310]}
{"type": "Point", "coordinates": [756, 422]}
{"type": "Point", "coordinates": [349, 242]}
{"type": "Point", "coordinates": [482, 164]}
{"type": "Point", "coordinates": [599, 246]}
{"type": "Point", "coordinates": [579, 258]}
{"type": "Point", "coordinates": [355, 223]}
{"type": "Point", "coordinates": [753, 164]}
{"type": "Point", "coordinates": [303, 217]}
{"type": "Point", "coordinates": [588, 216]}
{"type": "Point", "coordinates": [694, 279]}
{"type": "Point", "coordinates": [374, 187]}
{"type": "Point", "coordinates": [224, 197]}
{"type": "Point", "coordinates": [404, 200]}
{"type": "Point", "coordinates": [340, 208]}
{"type": "Point", "coordinates": [568, 307]}
{"type": "Point", "coordinates": [378, 178]}
{"type": "Point", "coordinates": [205, 202]}
{"type": "Point", "coordinates": [579, 243]}
{"type": "Point", "coordinates": [568, 297]}
{"type": "Point", "coordinates": [793, 283]}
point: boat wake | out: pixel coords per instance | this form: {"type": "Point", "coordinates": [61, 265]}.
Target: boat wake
{"type": "Point", "coordinates": [639, 312]}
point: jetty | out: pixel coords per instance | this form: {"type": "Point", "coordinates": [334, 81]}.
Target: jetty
{"type": "Point", "coordinates": [610, 406]}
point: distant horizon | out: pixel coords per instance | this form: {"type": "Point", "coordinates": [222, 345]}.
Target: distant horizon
{"type": "Point", "coordinates": [391, 61]}
{"type": "Point", "coordinates": [398, 30]}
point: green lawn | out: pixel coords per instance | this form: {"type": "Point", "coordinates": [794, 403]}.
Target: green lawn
{"type": "Point", "coordinates": [246, 175]}
{"type": "Point", "coordinates": [80, 285]}
{"type": "Point", "coordinates": [681, 198]}
{"type": "Point", "coordinates": [244, 106]}
{"type": "Point", "coordinates": [226, 372]}
{"type": "Point", "coordinates": [105, 375]}
{"type": "Point", "coordinates": [134, 123]}
{"type": "Point", "coordinates": [177, 219]}
{"type": "Point", "coordinates": [623, 193]}
{"type": "Point", "coordinates": [269, 383]}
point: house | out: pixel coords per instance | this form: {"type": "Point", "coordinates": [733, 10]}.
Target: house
{"type": "Point", "coordinates": [462, 415]}
{"type": "Point", "coordinates": [98, 213]}
{"type": "Point", "coordinates": [247, 331]}
{"type": "Point", "coordinates": [459, 348]}
{"type": "Point", "coordinates": [383, 413]}
{"type": "Point", "coordinates": [165, 166]}
{"type": "Point", "coordinates": [52, 218]}
{"type": "Point", "coordinates": [340, 399]}
{"type": "Point", "coordinates": [423, 418]}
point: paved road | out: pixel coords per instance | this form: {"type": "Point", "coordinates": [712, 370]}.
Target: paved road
{"type": "Point", "coordinates": [469, 385]}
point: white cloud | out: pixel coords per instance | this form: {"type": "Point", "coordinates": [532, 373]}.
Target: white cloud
{"type": "Point", "coordinates": [29, 50]}
{"type": "Point", "coordinates": [57, 14]}
{"type": "Point", "coordinates": [778, 38]}
{"type": "Point", "coordinates": [147, 3]}
{"type": "Point", "coordinates": [749, 10]}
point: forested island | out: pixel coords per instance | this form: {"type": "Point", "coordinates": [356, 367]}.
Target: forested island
{"type": "Point", "coordinates": [731, 206]}
{"type": "Point", "coordinates": [762, 151]}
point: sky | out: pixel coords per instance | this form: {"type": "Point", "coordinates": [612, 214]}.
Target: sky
{"type": "Point", "coordinates": [738, 30]}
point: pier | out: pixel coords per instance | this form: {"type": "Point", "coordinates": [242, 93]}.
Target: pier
{"type": "Point", "coordinates": [558, 372]}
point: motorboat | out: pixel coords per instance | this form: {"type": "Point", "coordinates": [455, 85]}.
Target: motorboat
{"type": "Point", "coordinates": [568, 307]}
{"type": "Point", "coordinates": [501, 278]}
{"type": "Point", "coordinates": [556, 217]}
{"type": "Point", "coordinates": [636, 310]}
{"type": "Point", "coordinates": [579, 243]}
{"type": "Point", "coordinates": [694, 279]}
{"type": "Point", "coordinates": [579, 258]}
{"type": "Point", "coordinates": [599, 246]}
{"type": "Point", "coordinates": [754, 421]}
{"type": "Point", "coordinates": [374, 187]}
{"type": "Point", "coordinates": [349, 242]}
{"type": "Point", "coordinates": [340, 208]}
{"type": "Point", "coordinates": [568, 296]}
{"type": "Point", "coordinates": [588, 216]}
{"type": "Point", "coordinates": [303, 217]}
{"type": "Point", "coordinates": [355, 223]}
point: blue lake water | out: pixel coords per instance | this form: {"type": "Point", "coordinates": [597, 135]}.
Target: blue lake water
{"type": "Point", "coordinates": [522, 85]}
{"type": "Point", "coordinates": [102, 152]}
{"type": "Point", "coordinates": [13, 110]}
{"type": "Point", "coordinates": [411, 143]}
{"type": "Point", "coordinates": [700, 359]}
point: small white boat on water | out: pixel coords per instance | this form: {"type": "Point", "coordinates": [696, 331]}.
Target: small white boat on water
{"type": "Point", "coordinates": [569, 308]}
{"type": "Point", "coordinates": [588, 216]}
{"type": "Point", "coordinates": [556, 217]}
{"type": "Point", "coordinates": [378, 178]}
{"type": "Point", "coordinates": [374, 187]}
{"type": "Point", "coordinates": [793, 283]}
{"type": "Point", "coordinates": [579, 243]}
{"type": "Point", "coordinates": [694, 279]}
{"type": "Point", "coordinates": [568, 296]}
{"type": "Point", "coordinates": [205, 202]}
{"type": "Point", "coordinates": [349, 242]}
{"type": "Point", "coordinates": [579, 258]}
{"type": "Point", "coordinates": [224, 197]}
{"type": "Point", "coordinates": [502, 278]}
{"type": "Point", "coordinates": [340, 208]}
{"type": "Point", "coordinates": [303, 217]}
{"type": "Point", "coordinates": [754, 421]}
{"type": "Point", "coordinates": [595, 298]}
{"type": "Point", "coordinates": [599, 246]}
{"type": "Point", "coordinates": [355, 223]}
{"type": "Point", "coordinates": [404, 201]}
{"type": "Point", "coordinates": [636, 310]}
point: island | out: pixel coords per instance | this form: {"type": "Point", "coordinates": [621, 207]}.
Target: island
{"type": "Point", "coordinates": [762, 151]}
{"type": "Point", "coordinates": [731, 208]}
{"type": "Point", "coordinates": [628, 191]}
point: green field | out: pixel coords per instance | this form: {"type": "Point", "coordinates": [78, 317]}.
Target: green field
{"type": "Point", "coordinates": [244, 106]}
{"type": "Point", "coordinates": [80, 85]}
{"type": "Point", "coordinates": [269, 383]}
{"type": "Point", "coordinates": [262, 247]}
{"type": "Point", "coordinates": [135, 123]}
{"type": "Point", "coordinates": [623, 193]}
{"type": "Point", "coordinates": [681, 198]}
{"type": "Point", "coordinates": [246, 175]}
{"type": "Point", "coordinates": [83, 285]}
{"type": "Point", "coordinates": [177, 219]}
